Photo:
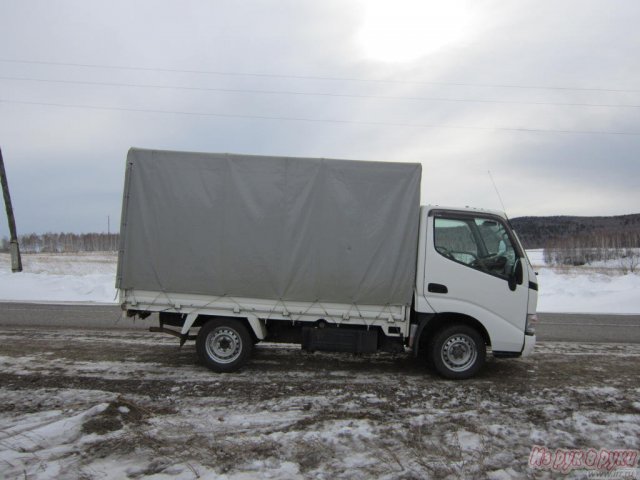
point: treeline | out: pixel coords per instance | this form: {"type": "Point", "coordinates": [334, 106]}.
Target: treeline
{"type": "Point", "coordinates": [623, 247]}
{"type": "Point", "coordinates": [547, 232]}
{"type": "Point", "coordinates": [65, 242]}
{"type": "Point", "coordinates": [600, 241]}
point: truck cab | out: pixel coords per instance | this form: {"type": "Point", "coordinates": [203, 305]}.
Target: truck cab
{"type": "Point", "coordinates": [475, 287]}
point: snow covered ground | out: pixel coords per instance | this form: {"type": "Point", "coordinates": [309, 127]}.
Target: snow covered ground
{"type": "Point", "coordinates": [78, 277]}
{"type": "Point", "coordinates": [90, 278]}
{"type": "Point", "coordinates": [601, 289]}
{"type": "Point", "coordinates": [134, 405]}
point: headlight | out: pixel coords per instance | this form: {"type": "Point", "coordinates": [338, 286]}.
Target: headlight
{"type": "Point", "coordinates": [530, 326]}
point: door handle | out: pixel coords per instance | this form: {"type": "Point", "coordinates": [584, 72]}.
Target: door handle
{"type": "Point", "coordinates": [437, 288]}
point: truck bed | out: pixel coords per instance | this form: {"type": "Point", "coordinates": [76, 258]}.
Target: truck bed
{"type": "Point", "coordinates": [393, 320]}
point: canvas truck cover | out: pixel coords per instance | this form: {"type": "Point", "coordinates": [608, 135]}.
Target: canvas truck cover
{"type": "Point", "coordinates": [278, 228]}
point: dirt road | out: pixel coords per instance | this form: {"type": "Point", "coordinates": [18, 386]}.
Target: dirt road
{"type": "Point", "coordinates": [117, 404]}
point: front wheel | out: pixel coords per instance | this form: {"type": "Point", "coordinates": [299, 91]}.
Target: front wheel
{"type": "Point", "coordinates": [457, 351]}
{"type": "Point", "coordinates": [224, 345]}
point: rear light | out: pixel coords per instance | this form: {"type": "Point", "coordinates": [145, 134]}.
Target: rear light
{"type": "Point", "coordinates": [530, 326]}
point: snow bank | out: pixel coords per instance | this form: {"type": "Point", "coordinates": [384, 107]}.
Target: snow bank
{"type": "Point", "coordinates": [585, 290]}
{"type": "Point", "coordinates": [588, 292]}
{"type": "Point", "coordinates": [60, 278]}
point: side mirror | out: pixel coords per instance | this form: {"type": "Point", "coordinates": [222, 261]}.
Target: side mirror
{"type": "Point", "coordinates": [516, 276]}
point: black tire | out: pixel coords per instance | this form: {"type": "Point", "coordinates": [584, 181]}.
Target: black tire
{"type": "Point", "coordinates": [457, 351]}
{"type": "Point", "coordinates": [224, 344]}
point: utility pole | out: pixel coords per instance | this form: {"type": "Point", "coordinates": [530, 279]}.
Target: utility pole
{"type": "Point", "coordinates": [16, 261]}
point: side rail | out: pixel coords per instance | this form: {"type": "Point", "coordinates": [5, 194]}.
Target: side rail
{"type": "Point", "coordinates": [392, 319]}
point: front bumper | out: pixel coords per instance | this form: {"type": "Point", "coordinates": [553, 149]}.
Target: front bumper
{"type": "Point", "coordinates": [529, 344]}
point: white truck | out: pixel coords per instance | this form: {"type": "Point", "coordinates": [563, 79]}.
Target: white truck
{"type": "Point", "coordinates": [334, 255]}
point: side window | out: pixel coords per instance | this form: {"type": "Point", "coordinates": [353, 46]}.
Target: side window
{"type": "Point", "coordinates": [479, 243]}
{"type": "Point", "coordinates": [455, 241]}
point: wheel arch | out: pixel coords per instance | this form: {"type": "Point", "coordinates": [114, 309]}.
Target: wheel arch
{"type": "Point", "coordinates": [253, 324]}
{"type": "Point", "coordinates": [428, 325]}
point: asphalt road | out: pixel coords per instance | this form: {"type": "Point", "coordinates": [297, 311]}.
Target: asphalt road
{"type": "Point", "coordinates": [600, 328]}
{"type": "Point", "coordinates": [552, 326]}
{"type": "Point", "coordinates": [66, 315]}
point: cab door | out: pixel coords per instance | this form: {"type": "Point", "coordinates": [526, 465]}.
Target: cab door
{"type": "Point", "coordinates": [471, 262]}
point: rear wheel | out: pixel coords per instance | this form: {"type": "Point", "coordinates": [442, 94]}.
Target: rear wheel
{"type": "Point", "coordinates": [457, 351]}
{"type": "Point", "coordinates": [224, 344]}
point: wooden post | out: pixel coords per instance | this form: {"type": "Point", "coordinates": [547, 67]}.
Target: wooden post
{"type": "Point", "coordinates": [16, 261]}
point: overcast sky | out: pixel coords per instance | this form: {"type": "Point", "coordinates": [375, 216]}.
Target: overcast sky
{"type": "Point", "coordinates": [544, 94]}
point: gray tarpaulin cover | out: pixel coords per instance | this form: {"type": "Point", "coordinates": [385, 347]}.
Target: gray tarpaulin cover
{"type": "Point", "coordinates": [292, 229]}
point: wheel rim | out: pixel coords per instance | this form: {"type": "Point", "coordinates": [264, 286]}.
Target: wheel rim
{"type": "Point", "coordinates": [223, 345]}
{"type": "Point", "coordinates": [459, 352]}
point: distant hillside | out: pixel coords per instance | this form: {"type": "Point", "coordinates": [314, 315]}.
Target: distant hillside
{"type": "Point", "coordinates": [540, 232]}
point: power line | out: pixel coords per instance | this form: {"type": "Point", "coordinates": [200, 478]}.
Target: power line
{"type": "Point", "coordinates": [319, 120]}
{"type": "Point", "coordinates": [312, 94]}
{"type": "Point", "coordinates": [314, 77]}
